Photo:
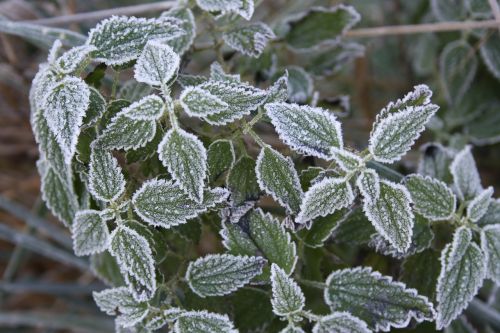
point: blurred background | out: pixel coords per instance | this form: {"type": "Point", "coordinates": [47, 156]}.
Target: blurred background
{"type": "Point", "coordinates": [35, 287]}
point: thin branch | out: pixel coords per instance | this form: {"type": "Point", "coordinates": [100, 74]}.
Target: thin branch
{"type": "Point", "coordinates": [422, 28]}
{"type": "Point", "coordinates": [101, 14]}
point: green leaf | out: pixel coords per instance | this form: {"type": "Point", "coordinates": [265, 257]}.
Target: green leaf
{"type": "Point", "coordinates": [457, 68]}
{"type": "Point", "coordinates": [391, 215]}
{"type": "Point", "coordinates": [288, 298]}
{"type": "Point", "coordinates": [355, 229]}
{"type": "Point", "coordinates": [90, 233]}
{"type": "Point", "coordinates": [490, 52]}
{"type": "Point", "coordinates": [242, 181]}
{"type": "Point", "coordinates": [455, 288]}
{"type": "Point", "coordinates": [105, 267]}
{"type": "Point", "coordinates": [221, 274]}
{"type": "Point", "coordinates": [300, 84]}
{"type": "Point", "coordinates": [120, 300]}
{"type": "Point", "coordinates": [157, 64]}
{"type": "Point", "coordinates": [121, 39]}
{"type": "Point", "coordinates": [217, 73]}
{"type": "Point", "coordinates": [135, 259]}
{"type": "Point", "coordinates": [292, 329]}
{"type": "Point", "coordinates": [340, 322]}
{"type": "Point", "coordinates": [435, 162]}
{"type": "Point", "coordinates": [324, 198]}
{"type": "Point", "coordinates": [150, 107]}
{"type": "Point", "coordinates": [490, 244]}
{"type": "Point", "coordinates": [106, 180]}
{"type": "Point", "coordinates": [203, 322]}
{"type": "Point", "coordinates": [492, 215]}
{"type": "Point", "coordinates": [250, 39]}
{"type": "Point", "coordinates": [368, 183]}
{"type": "Point", "coordinates": [183, 42]}
{"type": "Point", "coordinates": [159, 318]}
{"type": "Point", "coordinates": [320, 25]}
{"type": "Point", "coordinates": [198, 102]}
{"type": "Point", "coordinates": [421, 271]}
{"type": "Point", "coordinates": [331, 60]}
{"type": "Point", "coordinates": [64, 108]}
{"type": "Point", "coordinates": [73, 58]}
{"type": "Point", "coordinates": [465, 175]}
{"type": "Point", "coordinates": [322, 228]}
{"type": "Point", "coordinates": [277, 176]}
{"type": "Point", "coordinates": [363, 293]}
{"type": "Point", "coordinates": [220, 158]}
{"type": "Point", "coordinates": [479, 205]}
{"type": "Point", "coordinates": [163, 203]}
{"type": "Point", "coordinates": [399, 124]}
{"type": "Point", "coordinates": [431, 197]}
{"type": "Point", "coordinates": [186, 160]}
{"type": "Point", "coordinates": [278, 92]}
{"type": "Point", "coordinates": [345, 160]}
{"type": "Point", "coordinates": [97, 107]}
{"type": "Point", "coordinates": [132, 90]}
{"type": "Point", "coordinates": [308, 130]}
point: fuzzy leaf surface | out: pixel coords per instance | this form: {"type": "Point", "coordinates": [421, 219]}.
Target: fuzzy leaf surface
{"type": "Point", "coordinates": [288, 298]}
{"type": "Point", "coordinates": [341, 322]}
{"type": "Point", "coordinates": [90, 233]}
{"type": "Point", "coordinates": [106, 180]}
{"type": "Point", "coordinates": [490, 244]}
{"type": "Point", "coordinates": [249, 40]}
{"type": "Point", "coordinates": [220, 158]}
{"type": "Point", "coordinates": [203, 322]}
{"type": "Point", "coordinates": [465, 175]}
{"type": "Point", "coordinates": [479, 205]}
{"type": "Point", "coordinates": [368, 183]}
{"type": "Point", "coordinates": [157, 64]}
{"type": "Point", "coordinates": [121, 299]}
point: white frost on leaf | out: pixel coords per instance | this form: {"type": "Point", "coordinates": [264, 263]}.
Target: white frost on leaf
{"type": "Point", "coordinates": [186, 160]}
{"type": "Point", "coordinates": [150, 107]}
{"type": "Point", "coordinates": [54, 51]}
{"type": "Point", "coordinates": [278, 91]}
{"type": "Point", "coordinates": [300, 84]}
{"type": "Point", "coordinates": [203, 322]}
{"type": "Point", "coordinates": [308, 130]}
{"type": "Point", "coordinates": [106, 180]}
{"type": "Point", "coordinates": [490, 244]}
{"type": "Point", "coordinates": [244, 8]}
{"type": "Point", "coordinates": [120, 300]}
{"type": "Point", "coordinates": [340, 322]}
{"type": "Point", "coordinates": [198, 102]}
{"type": "Point", "coordinates": [90, 233]}
{"type": "Point", "coordinates": [288, 298]}
{"type": "Point", "coordinates": [70, 60]}
{"type": "Point", "coordinates": [345, 160]}
{"type": "Point", "coordinates": [479, 205]}
{"type": "Point", "coordinates": [465, 175]}
{"type": "Point", "coordinates": [249, 40]}
{"type": "Point", "coordinates": [157, 64]}
{"type": "Point", "coordinates": [368, 184]}
{"type": "Point", "coordinates": [217, 73]}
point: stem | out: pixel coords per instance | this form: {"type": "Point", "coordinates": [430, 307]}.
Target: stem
{"type": "Point", "coordinates": [313, 284]}
{"type": "Point", "coordinates": [116, 79]}
{"type": "Point", "coordinates": [256, 138]}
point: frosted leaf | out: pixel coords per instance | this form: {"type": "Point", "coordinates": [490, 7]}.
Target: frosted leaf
{"type": "Point", "coordinates": [89, 232]}
{"type": "Point", "coordinates": [246, 9]}
{"type": "Point", "coordinates": [73, 58]}
{"type": "Point", "coordinates": [135, 258]}
{"type": "Point", "coordinates": [157, 319]}
{"type": "Point", "coordinates": [104, 266]}
{"type": "Point", "coordinates": [435, 161]}
{"type": "Point", "coordinates": [322, 228]}
{"type": "Point", "coordinates": [97, 107]}
{"type": "Point", "coordinates": [492, 215]}
{"type": "Point", "coordinates": [187, 80]}
{"type": "Point", "coordinates": [44, 79]}
{"type": "Point", "coordinates": [220, 158]}
{"type": "Point", "coordinates": [490, 52]}
{"type": "Point", "coordinates": [120, 300]}
{"type": "Point", "coordinates": [308, 130]}
{"type": "Point", "coordinates": [249, 40]}
{"type": "Point", "coordinates": [376, 299]}
{"type": "Point", "coordinates": [278, 92]}
{"type": "Point", "coordinates": [449, 10]}
{"type": "Point", "coordinates": [457, 67]}
{"type": "Point", "coordinates": [234, 213]}
{"type": "Point", "coordinates": [320, 26]}
{"type": "Point", "coordinates": [277, 176]}
{"type": "Point", "coordinates": [54, 51]}
{"type": "Point", "coordinates": [368, 183]}
{"type": "Point", "coordinates": [106, 180]}
{"type": "Point", "coordinates": [345, 160]}
{"type": "Point", "coordinates": [479, 205]}
{"type": "Point", "coordinates": [324, 198]}
{"type": "Point", "coordinates": [198, 102]}
{"type": "Point", "coordinates": [331, 60]}
{"type": "Point", "coordinates": [242, 181]}
{"type": "Point", "coordinates": [64, 108]}
{"type": "Point", "coordinates": [157, 64]}
{"type": "Point", "coordinates": [465, 175]}
{"type": "Point", "coordinates": [183, 42]}
{"type": "Point", "coordinates": [221, 274]}
{"type": "Point", "coordinates": [463, 268]}
{"type": "Point", "coordinates": [292, 329]}
{"type": "Point", "coordinates": [300, 84]}
{"type": "Point", "coordinates": [431, 197]}
{"type": "Point", "coordinates": [340, 322]}
{"type": "Point", "coordinates": [288, 298]}
{"type": "Point", "coordinates": [150, 107]}
{"type": "Point", "coordinates": [121, 39]}
{"type": "Point", "coordinates": [391, 215]}
{"type": "Point", "coordinates": [217, 73]}
{"type": "Point", "coordinates": [132, 90]}
{"type": "Point", "coordinates": [490, 244]}
{"type": "Point", "coordinates": [203, 322]}
{"type": "Point", "coordinates": [186, 160]}
{"type": "Point", "coordinates": [163, 203]}
{"type": "Point", "coordinates": [237, 240]}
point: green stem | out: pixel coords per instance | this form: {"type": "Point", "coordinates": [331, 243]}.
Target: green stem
{"type": "Point", "coordinates": [313, 284]}
{"type": "Point", "coordinates": [256, 138]}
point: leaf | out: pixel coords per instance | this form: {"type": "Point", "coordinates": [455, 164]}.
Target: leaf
{"type": "Point", "coordinates": [220, 158]}
{"type": "Point", "coordinates": [121, 39]}
{"type": "Point", "coordinates": [90, 233]}
{"type": "Point", "coordinates": [186, 160]}
{"type": "Point", "coordinates": [391, 215]}
{"type": "Point", "coordinates": [341, 322]}
{"type": "Point", "coordinates": [465, 175]}
{"type": "Point", "coordinates": [278, 92]}
{"type": "Point", "coordinates": [217, 73]}
{"type": "Point", "coordinates": [345, 160]}
{"type": "Point", "coordinates": [399, 124]}
{"type": "Point", "coordinates": [132, 90]}
{"type": "Point", "coordinates": [457, 67]}
{"type": "Point", "coordinates": [449, 10]}
{"type": "Point", "coordinates": [157, 64]}
{"type": "Point", "coordinates": [252, 309]}
{"type": "Point", "coordinates": [97, 107]}
{"type": "Point", "coordinates": [363, 293]}
{"type": "Point", "coordinates": [492, 215]}
{"type": "Point", "coordinates": [277, 176]}
{"type": "Point", "coordinates": [292, 329]}
{"type": "Point", "coordinates": [242, 181]}
{"type": "Point", "coordinates": [421, 271]}
{"type": "Point", "coordinates": [331, 60]}
{"type": "Point", "coordinates": [106, 180]}
{"type": "Point", "coordinates": [250, 39]}
{"type": "Point", "coordinates": [64, 108]}
{"type": "Point", "coordinates": [320, 25]}
{"type": "Point", "coordinates": [163, 203]}
{"type": "Point", "coordinates": [490, 244]}
{"type": "Point", "coordinates": [490, 52]}
{"type": "Point", "coordinates": [288, 298]}
{"type": "Point", "coordinates": [198, 102]}
{"type": "Point", "coordinates": [221, 274]}
{"type": "Point", "coordinates": [308, 130]}
{"type": "Point", "coordinates": [135, 258]}
{"type": "Point", "coordinates": [435, 162]}
{"type": "Point", "coordinates": [322, 228]}
{"type": "Point", "coordinates": [203, 322]}
{"type": "Point", "coordinates": [158, 319]}
{"type": "Point", "coordinates": [183, 42]}
{"type": "Point", "coordinates": [300, 84]}
{"type": "Point", "coordinates": [324, 198]}
{"type": "Point", "coordinates": [150, 107]}
{"type": "Point", "coordinates": [368, 183]}
{"type": "Point", "coordinates": [431, 197]}
{"type": "Point", "coordinates": [354, 229]}
{"type": "Point", "coordinates": [244, 8]}
{"type": "Point", "coordinates": [105, 267]}
{"type": "Point", "coordinates": [479, 205]}
{"type": "Point", "coordinates": [73, 58]}
{"type": "Point", "coordinates": [463, 268]}
{"type": "Point", "coordinates": [120, 299]}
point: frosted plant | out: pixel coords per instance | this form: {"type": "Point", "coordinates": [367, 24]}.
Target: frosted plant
{"type": "Point", "coordinates": [199, 222]}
